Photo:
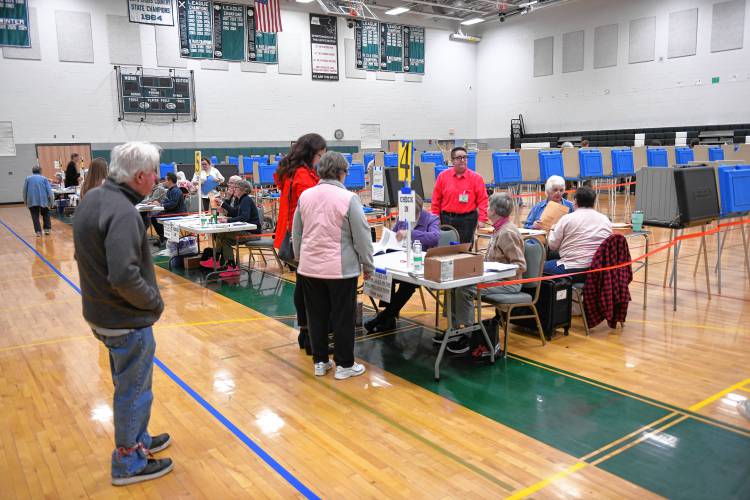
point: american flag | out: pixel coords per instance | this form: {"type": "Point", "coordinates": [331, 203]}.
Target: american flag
{"type": "Point", "coordinates": [267, 16]}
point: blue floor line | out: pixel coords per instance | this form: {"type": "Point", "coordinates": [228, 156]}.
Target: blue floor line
{"type": "Point", "coordinates": [288, 477]}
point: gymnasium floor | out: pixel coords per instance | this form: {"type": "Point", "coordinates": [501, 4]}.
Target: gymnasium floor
{"type": "Point", "coordinates": [644, 411]}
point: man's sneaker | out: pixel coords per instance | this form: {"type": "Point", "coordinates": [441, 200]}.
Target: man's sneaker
{"type": "Point", "coordinates": [322, 368]}
{"type": "Point", "coordinates": [38, 234]}
{"type": "Point", "coordinates": [438, 338]}
{"type": "Point", "coordinates": [354, 370]}
{"type": "Point", "coordinates": [159, 443]}
{"type": "Point", "coordinates": [47, 231]}
{"type": "Point", "coordinates": [458, 346]}
{"type": "Point", "coordinates": [155, 467]}
{"type": "Point", "coordinates": [385, 325]}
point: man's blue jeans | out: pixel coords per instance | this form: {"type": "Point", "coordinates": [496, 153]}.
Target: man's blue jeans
{"type": "Point", "coordinates": [131, 359]}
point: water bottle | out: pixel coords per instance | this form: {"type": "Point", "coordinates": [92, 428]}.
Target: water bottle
{"type": "Point", "coordinates": [417, 257]}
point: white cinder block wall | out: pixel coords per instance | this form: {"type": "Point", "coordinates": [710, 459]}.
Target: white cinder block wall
{"type": "Point", "coordinates": [49, 98]}
{"type": "Point", "coordinates": [648, 94]}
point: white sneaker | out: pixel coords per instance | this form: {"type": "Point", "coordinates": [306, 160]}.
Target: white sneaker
{"type": "Point", "coordinates": [322, 368]}
{"type": "Point", "coordinates": [354, 370]}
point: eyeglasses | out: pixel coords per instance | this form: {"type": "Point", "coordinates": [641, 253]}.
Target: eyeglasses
{"type": "Point", "coordinates": [459, 158]}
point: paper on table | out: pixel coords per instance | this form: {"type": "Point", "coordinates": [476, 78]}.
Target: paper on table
{"type": "Point", "coordinates": [387, 243]}
{"type": "Point", "coordinates": [552, 213]}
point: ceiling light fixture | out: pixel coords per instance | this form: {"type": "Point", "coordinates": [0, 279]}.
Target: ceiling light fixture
{"type": "Point", "coordinates": [474, 20]}
{"type": "Point", "coordinates": [397, 10]}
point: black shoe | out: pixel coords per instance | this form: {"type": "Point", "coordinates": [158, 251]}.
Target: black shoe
{"type": "Point", "coordinates": [384, 325]}
{"type": "Point", "coordinates": [438, 338]}
{"type": "Point", "coordinates": [371, 323]}
{"type": "Point", "coordinates": [458, 346]}
{"type": "Point", "coordinates": [156, 467]}
{"type": "Point", "coordinates": [159, 443]}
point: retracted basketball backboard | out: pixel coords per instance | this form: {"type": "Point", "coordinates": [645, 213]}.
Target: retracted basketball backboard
{"type": "Point", "coordinates": [353, 8]}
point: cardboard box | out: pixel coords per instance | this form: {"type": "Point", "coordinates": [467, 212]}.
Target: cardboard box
{"type": "Point", "coordinates": [452, 263]}
{"type": "Point", "coordinates": [192, 262]}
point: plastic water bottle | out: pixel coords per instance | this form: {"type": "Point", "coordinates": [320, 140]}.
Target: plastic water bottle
{"type": "Point", "coordinates": [417, 257]}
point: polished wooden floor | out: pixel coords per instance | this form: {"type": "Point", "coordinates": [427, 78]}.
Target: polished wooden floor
{"type": "Point", "coordinates": [229, 375]}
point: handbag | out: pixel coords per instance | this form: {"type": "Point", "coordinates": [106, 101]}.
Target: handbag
{"type": "Point", "coordinates": [286, 251]}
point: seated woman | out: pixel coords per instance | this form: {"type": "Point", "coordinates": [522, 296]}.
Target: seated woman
{"type": "Point", "coordinates": [229, 204]}
{"type": "Point", "coordinates": [427, 231]}
{"type": "Point", "coordinates": [577, 235]}
{"type": "Point", "coordinates": [555, 188]}
{"type": "Point", "coordinates": [246, 212]}
{"type": "Point", "coordinates": [506, 247]}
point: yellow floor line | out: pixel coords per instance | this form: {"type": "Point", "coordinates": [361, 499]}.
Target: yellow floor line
{"type": "Point", "coordinates": [26, 278]}
{"type": "Point", "coordinates": [746, 389]}
{"type": "Point", "coordinates": [719, 395]}
{"type": "Point", "coordinates": [45, 342]}
{"type": "Point", "coordinates": [544, 482]}
{"type": "Point", "coordinates": [639, 440]}
{"type": "Point", "coordinates": [628, 436]}
{"type": "Point", "coordinates": [213, 323]}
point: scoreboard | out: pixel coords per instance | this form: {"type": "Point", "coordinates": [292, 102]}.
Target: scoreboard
{"type": "Point", "coordinates": [155, 94]}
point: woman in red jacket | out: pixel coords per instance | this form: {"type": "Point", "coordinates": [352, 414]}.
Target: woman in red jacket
{"type": "Point", "coordinates": [295, 174]}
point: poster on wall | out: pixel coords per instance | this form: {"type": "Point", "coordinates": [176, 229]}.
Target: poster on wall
{"type": "Point", "coordinates": [195, 28]}
{"type": "Point", "coordinates": [324, 48]}
{"type": "Point", "coordinates": [391, 47]}
{"type": "Point", "coordinates": [261, 47]}
{"type": "Point", "coordinates": [155, 12]}
{"type": "Point", "coordinates": [14, 23]}
{"type": "Point", "coordinates": [414, 49]}
{"type": "Point", "coordinates": [229, 32]}
{"type": "Point", "coordinates": [367, 45]}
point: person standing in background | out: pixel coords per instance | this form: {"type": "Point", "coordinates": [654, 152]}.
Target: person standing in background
{"type": "Point", "coordinates": [121, 302]}
{"type": "Point", "coordinates": [459, 197]}
{"type": "Point", "coordinates": [295, 174]}
{"type": "Point", "coordinates": [207, 170]}
{"type": "Point", "coordinates": [96, 176]}
{"type": "Point", "coordinates": [71, 171]}
{"type": "Point", "coordinates": [38, 197]}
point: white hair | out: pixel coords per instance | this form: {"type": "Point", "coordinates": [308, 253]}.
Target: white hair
{"type": "Point", "coordinates": [132, 157]}
{"type": "Point", "coordinates": [553, 182]}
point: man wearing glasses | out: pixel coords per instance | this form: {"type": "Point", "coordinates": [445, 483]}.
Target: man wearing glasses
{"type": "Point", "coordinates": [459, 197]}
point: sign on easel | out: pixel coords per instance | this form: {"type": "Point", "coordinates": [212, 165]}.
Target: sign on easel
{"type": "Point", "coordinates": [407, 206]}
{"type": "Point", "coordinates": [378, 183]}
{"type": "Point", "coordinates": [405, 163]}
{"type": "Point", "coordinates": [171, 232]}
{"type": "Point", "coordinates": [379, 286]}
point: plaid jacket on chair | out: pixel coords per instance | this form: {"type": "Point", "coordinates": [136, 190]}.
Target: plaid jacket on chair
{"type": "Point", "coordinates": [606, 294]}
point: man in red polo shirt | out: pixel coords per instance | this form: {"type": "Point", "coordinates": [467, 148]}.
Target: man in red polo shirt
{"type": "Point", "coordinates": [459, 197]}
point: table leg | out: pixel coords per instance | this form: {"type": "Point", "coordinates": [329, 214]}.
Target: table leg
{"type": "Point", "coordinates": [669, 253]}
{"type": "Point", "coordinates": [674, 271]}
{"type": "Point", "coordinates": [481, 325]}
{"type": "Point", "coordinates": [718, 261]}
{"type": "Point", "coordinates": [645, 273]}
{"type": "Point", "coordinates": [745, 246]}
{"type": "Point", "coordinates": [705, 261]}
{"type": "Point", "coordinates": [447, 304]}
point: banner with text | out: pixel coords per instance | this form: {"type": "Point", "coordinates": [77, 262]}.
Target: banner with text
{"type": "Point", "coordinates": [195, 19]}
{"type": "Point", "coordinates": [229, 32]}
{"type": "Point", "coordinates": [155, 12]}
{"type": "Point", "coordinates": [14, 23]}
{"type": "Point", "coordinates": [324, 48]}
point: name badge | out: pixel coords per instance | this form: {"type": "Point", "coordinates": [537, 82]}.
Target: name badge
{"type": "Point", "coordinates": [463, 198]}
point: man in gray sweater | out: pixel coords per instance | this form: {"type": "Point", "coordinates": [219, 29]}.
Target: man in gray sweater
{"type": "Point", "coordinates": [121, 302]}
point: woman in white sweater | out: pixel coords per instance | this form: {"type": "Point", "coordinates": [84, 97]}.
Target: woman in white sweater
{"type": "Point", "coordinates": [207, 172]}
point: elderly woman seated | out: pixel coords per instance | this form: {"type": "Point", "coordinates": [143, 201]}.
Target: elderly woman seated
{"type": "Point", "coordinates": [555, 188]}
{"type": "Point", "coordinates": [246, 212]}
{"type": "Point", "coordinates": [577, 235]}
{"type": "Point", "coordinates": [506, 247]}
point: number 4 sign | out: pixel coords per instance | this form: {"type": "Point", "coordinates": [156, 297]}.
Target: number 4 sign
{"type": "Point", "coordinates": [154, 12]}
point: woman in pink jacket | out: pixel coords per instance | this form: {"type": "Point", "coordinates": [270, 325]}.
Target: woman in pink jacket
{"type": "Point", "coordinates": [332, 239]}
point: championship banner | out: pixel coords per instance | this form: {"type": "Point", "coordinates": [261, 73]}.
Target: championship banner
{"type": "Point", "coordinates": [14, 24]}
{"type": "Point", "coordinates": [154, 12]}
{"type": "Point", "coordinates": [324, 48]}
{"type": "Point", "coordinates": [229, 32]}
{"type": "Point", "coordinates": [196, 37]}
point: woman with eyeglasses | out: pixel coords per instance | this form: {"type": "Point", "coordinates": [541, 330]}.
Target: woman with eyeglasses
{"type": "Point", "coordinates": [459, 197]}
{"type": "Point", "coordinates": [555, 189]}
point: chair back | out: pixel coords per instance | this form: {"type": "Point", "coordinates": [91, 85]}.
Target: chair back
{"type": "Point", "coordinates": [448, 233]}
{"type": "Point", "coordinates": [533, 252]}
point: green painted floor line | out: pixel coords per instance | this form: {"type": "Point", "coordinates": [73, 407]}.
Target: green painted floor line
{"type": "Point", "coordinates": [393, 423]}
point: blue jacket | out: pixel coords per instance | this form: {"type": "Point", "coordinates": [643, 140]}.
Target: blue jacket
{"type": "Point", "coordinates": [426, 230]}
{"type": "Point", "coordinates": [37, 191]}
{"type": "Point", "coordinates": [174, 202]}
{"type": "Point", "coordinates": [536, 212]}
